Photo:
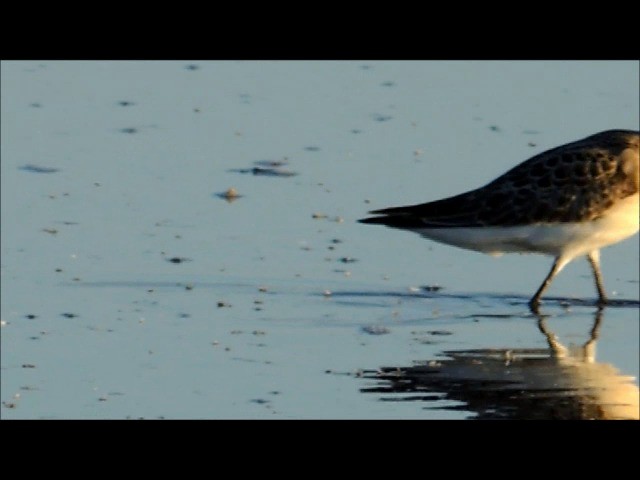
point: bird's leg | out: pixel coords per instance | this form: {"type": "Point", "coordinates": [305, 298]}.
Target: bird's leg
{"type": "Point", "coordinates": [594, 261]}
{"type": "Point", "coordinates": [534, 303]}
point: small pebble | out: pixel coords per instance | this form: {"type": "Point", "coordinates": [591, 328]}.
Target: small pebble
{"type": "Point", "coordinates": [230, 194]}
{"type": "Point", "coordinates": [375, 330]}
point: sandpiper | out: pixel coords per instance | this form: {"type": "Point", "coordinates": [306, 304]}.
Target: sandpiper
{"type": "Point", "coordinates": [566, 202]}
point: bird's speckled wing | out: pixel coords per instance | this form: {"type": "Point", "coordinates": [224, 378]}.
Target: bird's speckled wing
{"type": "Point", "coordinates": [572, 183]}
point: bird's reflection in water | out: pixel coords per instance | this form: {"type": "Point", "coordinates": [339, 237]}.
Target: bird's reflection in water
{"type": "Point", "coordinates": [549, 383]}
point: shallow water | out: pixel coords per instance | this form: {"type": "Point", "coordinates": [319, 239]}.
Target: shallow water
{"type": "Point", "coordinates": [134, 286]}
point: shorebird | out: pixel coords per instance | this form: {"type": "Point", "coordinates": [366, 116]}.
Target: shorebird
{"type": "Point", "coordinates": [568, 201]}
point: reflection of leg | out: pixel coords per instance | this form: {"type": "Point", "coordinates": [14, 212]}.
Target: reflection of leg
{"type": "Point", "coordinates": [557, 349]}
{"type": "Point", "coordinates": [594, 261]}
{"type": "Point", "coordinates": [590, 345]}
{"type": "Point", "coordinates": [534, 303]}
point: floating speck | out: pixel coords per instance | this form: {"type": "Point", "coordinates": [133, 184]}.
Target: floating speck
{"type": "Point", "coordinates": [388, 84]}
{"type": "Point", "coordinates": [31, 316]}
{"type": "Point", "coordinates": [272, 163]}
{"type": "Point", "coordinates": [38, 169]}
{"type": "Point", "coordinates": [35, 105]}
{"type": "Point", "coordinates": [494, 128]}
{"type": "Point", "coordinates": [318, 215]}
{"type": "Point", "coordinates": [355, 131]}
{"type": "Point", "coordinates": [312, 148]}
{"type": "Point", "coordinates": [262, 289]}
{"type": "Point", "coordinates": [273, 172]}
{"type": "Point", "coordinates": [129, 130]}
{"type": "Point", "coordinates": [51, 231]}
{"type": "Point", "coordinates": [348, 260]}
{"type": "Point", "coordinates": [439, 332]}
{"type": "Point", "coordinates": [532, 144]}
{"type": "Point", "coordinates": [125, 103]}
{"type": "Point", "coordinates": [223, 304]}
{"type": "Point", "coordinates": [192, 66]}
{"type": "Point", "coordinates": [382, 118]}
{"type": "Point", "coordinates": [266, 171]}
{"type": "Point", "coordinates": [432, 288]}
{"type": "Point", "coordinates": [69, 315]}
{"type": "Point", "coordinates": [178, 259]}
{"type": "Point", "coordinates": [28, 365]}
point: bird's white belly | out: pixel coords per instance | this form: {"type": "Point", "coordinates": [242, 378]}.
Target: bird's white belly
{"type": "Point", "coordinates": [573, 239]}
